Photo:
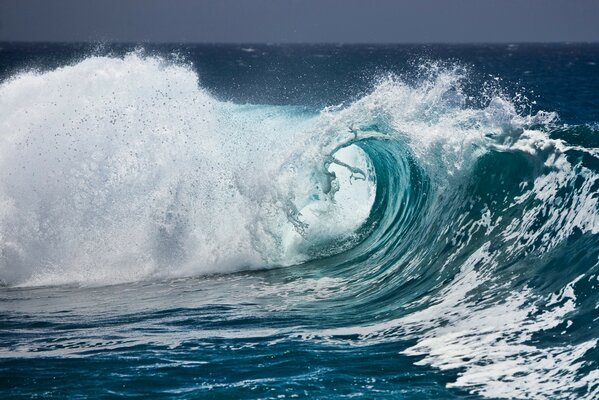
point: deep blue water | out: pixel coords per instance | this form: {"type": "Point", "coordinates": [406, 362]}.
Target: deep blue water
{"type": "Point", "coordinates": [299, 221]}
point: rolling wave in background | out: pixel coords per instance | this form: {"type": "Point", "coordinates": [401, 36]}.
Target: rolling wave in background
{"type": "Point", "coordinates": [459, 231]}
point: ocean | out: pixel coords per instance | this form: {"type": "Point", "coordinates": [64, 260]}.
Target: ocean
{"type": "Point", "coordinates": [299, 221]}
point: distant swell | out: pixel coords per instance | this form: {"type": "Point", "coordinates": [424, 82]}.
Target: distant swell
{"type": "Point", "coordinates": [439, 212]}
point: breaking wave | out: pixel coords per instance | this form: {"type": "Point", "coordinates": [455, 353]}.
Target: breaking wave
{"type": "Point", "coordinates": [461, 222]}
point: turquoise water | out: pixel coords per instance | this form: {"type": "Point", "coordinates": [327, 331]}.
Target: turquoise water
{"type": "Point", "coordinates": [299, 222]}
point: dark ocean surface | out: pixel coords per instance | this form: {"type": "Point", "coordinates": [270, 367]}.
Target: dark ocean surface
{"type": "Point", "coordinates": [261, 221]}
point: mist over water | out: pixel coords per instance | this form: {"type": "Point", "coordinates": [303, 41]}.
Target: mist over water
{"type": "Point", "coordinates": [434, 234]}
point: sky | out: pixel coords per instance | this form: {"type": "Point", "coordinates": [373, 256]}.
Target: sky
{"type": "Point", "coordinates": [295, 21]}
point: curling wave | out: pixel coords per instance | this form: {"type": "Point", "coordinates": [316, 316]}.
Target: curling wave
{"type": "Point", "coordinates": [454, 221]}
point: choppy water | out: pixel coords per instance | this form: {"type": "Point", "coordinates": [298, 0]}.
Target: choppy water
{"type": "Point", "coordinates": [299, 222]}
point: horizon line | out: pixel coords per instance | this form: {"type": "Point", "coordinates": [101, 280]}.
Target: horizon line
{"type": "Point", "coordinates": [284, 43]}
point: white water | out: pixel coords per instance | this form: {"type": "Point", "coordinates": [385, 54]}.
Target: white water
{"type": "Point", "coordinates": [117, 170]}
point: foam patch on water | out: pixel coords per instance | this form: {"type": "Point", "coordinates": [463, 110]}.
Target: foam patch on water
{"type": "Point", "coordinates": [491, 344]}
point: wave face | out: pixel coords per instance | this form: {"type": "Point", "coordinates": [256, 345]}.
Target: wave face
{"type": "Point", "coordinates": [463, 227]}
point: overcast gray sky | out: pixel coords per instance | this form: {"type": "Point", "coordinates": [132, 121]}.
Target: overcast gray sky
{"type": "Point", "coordinates": [307, 21]}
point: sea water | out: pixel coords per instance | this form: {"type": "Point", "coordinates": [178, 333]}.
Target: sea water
{"type": "Point", "coordinates": [263, 221]}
